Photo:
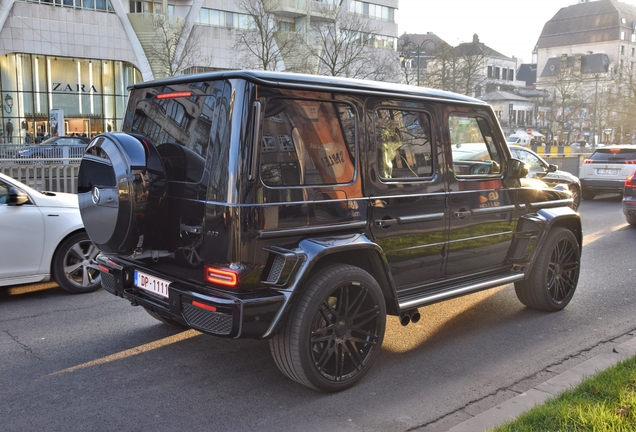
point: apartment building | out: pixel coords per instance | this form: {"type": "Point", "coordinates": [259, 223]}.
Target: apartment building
{"type": "Point", "coordinates": [76, 58]}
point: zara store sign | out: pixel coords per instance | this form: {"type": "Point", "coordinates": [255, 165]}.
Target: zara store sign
{"type": "Point", "coordinates": [73, 88]}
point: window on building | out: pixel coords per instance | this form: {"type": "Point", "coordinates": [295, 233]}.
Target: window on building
{"type": "Point", "coordinates": [489, 71]}
{"type": "Point", "coordinates": [219, 18]}
{"type": "Point", "coordinates": [285, 26]}
{"type": "Point", "coordinates": [372, 11]}
{"type": "Point", "coordinates": [511, 75]}
{"type": "Point", "coordinates": [95, 5]}
{"type": "Point", "coordinates": [622, 49]}
{"type": "Point", "coordinates": [622, 35]}
{"type": "Point", "coordinates": [497, 73]}
{"type": "Point", "coordinates": [504, 74]}
{"type": "Point", "coordinates": [633, 51]}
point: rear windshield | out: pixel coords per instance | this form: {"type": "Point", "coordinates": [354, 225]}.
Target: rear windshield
{"type": "Point", "coordinates": [184, 122]}
{"type": "Point", "coordinates": [614, 155]}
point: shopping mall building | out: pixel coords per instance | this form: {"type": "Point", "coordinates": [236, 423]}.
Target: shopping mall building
{"type": "Point", "coordinates": [76, 58]}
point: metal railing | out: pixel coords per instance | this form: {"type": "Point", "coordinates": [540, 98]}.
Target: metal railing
{"type": "Point", "coordinates": [58, 177]}
{"type": "Point", "coordinates": [45, 153]}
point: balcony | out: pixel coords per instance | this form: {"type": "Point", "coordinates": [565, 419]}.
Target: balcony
{"type": "Point", "coordinates": [316, 9]}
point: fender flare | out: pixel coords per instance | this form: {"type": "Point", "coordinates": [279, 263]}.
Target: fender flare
{"type": "Point", "coordinates": [310, 252]}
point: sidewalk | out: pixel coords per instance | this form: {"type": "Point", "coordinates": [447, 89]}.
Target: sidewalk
{"type": "Point", "coordinates": [510, 409]}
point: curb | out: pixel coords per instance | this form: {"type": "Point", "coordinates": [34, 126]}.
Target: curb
{"type": "Point", "coordinates": [512, 408]}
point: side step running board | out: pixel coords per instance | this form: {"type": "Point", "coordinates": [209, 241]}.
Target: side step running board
{"type": "Point", "coordinates": [428, 297]}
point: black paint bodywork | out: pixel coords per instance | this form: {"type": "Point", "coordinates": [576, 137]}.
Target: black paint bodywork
{"type": "Point", "coordinates": [423, 239]}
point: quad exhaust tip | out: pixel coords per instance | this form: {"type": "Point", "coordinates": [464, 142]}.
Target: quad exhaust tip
{"type": "Point", "coordinates": [410, 316]}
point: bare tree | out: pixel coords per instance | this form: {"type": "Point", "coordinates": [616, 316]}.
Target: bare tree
{"type": "Point", "coordinates": [173, 48]}
{"type": "Point", "coordinates": [568, 97]}
{"type": "Point", "coordinates": [346, 46]}
{"type": "Point", "coordinates": [458, 69]}
{"type": "Point", "coordinates": [259, 43]}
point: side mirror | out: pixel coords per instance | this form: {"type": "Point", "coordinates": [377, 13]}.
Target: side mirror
{"type": "Point", "coordinates": [517, 169]}
{"type": "Point", "coordinates": [552, 168]}
{"type": "Point", "coordinates": [17, 197]}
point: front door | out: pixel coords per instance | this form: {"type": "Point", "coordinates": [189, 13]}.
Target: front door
{"type": "Point", "coordinates": [407, 191]}
{"type": "Point", "coordinates": [480, 207]}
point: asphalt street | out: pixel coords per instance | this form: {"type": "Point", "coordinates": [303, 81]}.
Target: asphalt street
{"type": "Point", "coordinates": [94, 363]}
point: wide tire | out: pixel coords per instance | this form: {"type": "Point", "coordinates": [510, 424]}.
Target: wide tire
{"type": "Point", "coordinates": [555, 274]}
{"type": "Point", "coordinates": [576, 196]}
{"type": "Point", "coordinates": [74, 267]}
{"type": "Point", "coordinates": [587, 195]}
{"type": "Point", "coordinates": [334, 332]}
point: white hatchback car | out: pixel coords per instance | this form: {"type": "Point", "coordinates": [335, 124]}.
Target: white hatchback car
{"type": "Point", "coordinates": [42, 237]}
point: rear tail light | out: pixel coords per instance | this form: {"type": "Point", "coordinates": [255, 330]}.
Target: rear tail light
{"type": "Point", "coordinates": [218, 276]}
{"type": "Point", "coordinates": [587, 161]}
{"type": "Point", "coordinates": [629, 181]}
{"type": "Point", "coordinates": [174, 95]}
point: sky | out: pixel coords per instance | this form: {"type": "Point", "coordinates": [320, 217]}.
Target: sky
{"type": "Point", "coordinates": [511, 27]}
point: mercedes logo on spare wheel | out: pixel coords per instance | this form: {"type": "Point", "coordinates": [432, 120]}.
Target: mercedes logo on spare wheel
{"type": "Point", "coordinates": [95, 195]}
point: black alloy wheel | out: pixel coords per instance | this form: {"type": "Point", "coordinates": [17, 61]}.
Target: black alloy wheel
{"type": "Point", "coordinates": [331, 338]}
{"type": "Point", "coordinates": [555, 275]}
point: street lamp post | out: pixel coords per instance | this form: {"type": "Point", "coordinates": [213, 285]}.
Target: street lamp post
{"type": "Point", "coordinates": [596, 116]}
{"type": "Point", "coordinates": [418, 50]}
{"type": "Point", "coordinates": [8, 100]}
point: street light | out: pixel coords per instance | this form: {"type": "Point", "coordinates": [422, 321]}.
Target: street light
{"type": "Point", "coordinates": [596, 116]}
{"type": "Point", "coordinates": [9, 103]}
{"type": "Point", "coordinates": [419, 49]}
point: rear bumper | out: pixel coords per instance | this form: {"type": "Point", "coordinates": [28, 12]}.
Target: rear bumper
{"type": "Point", "coordinates": [599, 186]}
{"type": "Point", "coordinates": [209, 311]}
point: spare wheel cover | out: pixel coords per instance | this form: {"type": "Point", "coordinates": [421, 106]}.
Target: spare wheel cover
{"type": "Point", "coordinates": [120, 189]}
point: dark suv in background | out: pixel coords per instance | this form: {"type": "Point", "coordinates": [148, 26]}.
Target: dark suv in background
{"type": "Point", "coordinates": [305, 209]}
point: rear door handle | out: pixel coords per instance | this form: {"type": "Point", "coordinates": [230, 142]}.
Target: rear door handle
{"type": "Point", "coordinates": [385, 223]}
{"type": "Point", "coordinates": [462, 214]}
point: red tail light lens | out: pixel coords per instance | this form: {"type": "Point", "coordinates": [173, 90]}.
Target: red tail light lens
{"type": "Point", "coordinates": [225, 277]}
{"type": "Point", "coordinates": [587, 161]}
{"type": "Point", "coordinates": [629, 181]}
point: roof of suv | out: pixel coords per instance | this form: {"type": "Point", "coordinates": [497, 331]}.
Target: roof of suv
{"type": "Point", "coordinates": [313, 82]}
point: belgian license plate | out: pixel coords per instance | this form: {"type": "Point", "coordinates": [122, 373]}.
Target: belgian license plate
{"type": "Point", "coordinates": [603, 171]}
{"type": "Point", "coordinates": [152, 284]}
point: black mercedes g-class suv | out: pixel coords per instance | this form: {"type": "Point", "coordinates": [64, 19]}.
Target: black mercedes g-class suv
{"type": "Point", "coordinates": [304, 209]}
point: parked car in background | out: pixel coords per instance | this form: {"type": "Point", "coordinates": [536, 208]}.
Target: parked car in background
{"type": "Point", "coordinates": [55, 147]}
{"type": "Point", "coordinates": [606, 170]}
{"type": "Point", "coordinates": [42, 238]}
{"type": "Point", "coordinates": [629, 199]}
{"type": "Point", "coordinates": [548, 173]}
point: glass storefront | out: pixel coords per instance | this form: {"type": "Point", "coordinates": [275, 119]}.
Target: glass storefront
{"type": "Point", "coordinates": [90, 93]}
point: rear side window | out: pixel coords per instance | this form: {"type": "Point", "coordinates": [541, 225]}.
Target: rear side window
{"type": "Point", "coordinates": [614, 155]}
{"type": "Point", "coordinates": [403, 142]}
{"type": "Point", "coordinates": [307, 142]}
